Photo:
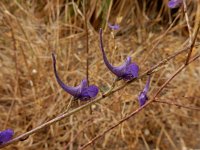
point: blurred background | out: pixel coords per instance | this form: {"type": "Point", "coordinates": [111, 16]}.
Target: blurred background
{"type": "Point", "coordinates": [30, 30]}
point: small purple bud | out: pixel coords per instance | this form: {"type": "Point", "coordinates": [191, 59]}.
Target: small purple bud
{"type": "Point", "coordinates": [142, 98]}
{"type": "Point", "coordinates": [143, 95]}
{"type": "Point", "coordinates": [126, 71]}
{"type": "Point", "coordinates": [82, 91]}
{"type": "Point", "coordinates": [113, 27]}
{"type": "Point", "coordinates": [174, 3]}
{"type": "Point", "coordinates": [6, 135]}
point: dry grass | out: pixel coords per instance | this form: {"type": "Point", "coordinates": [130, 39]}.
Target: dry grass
{"type": "Point", "coordinates": [30, 96]}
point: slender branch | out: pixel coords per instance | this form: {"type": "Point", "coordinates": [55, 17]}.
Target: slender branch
{"type": "Point", "coordinates": [178, 105]}
{"type": "Point", "coordinates": [87, 57]}
{"type": "Point", "coordinates": [192, 44]}
{"type": "Point", "coordinates": [17, 91]}
{"type": "Point", "coordinates": [187, 21]}
{"type": "Point", "coordinates": [87, 43]}
{"type": "Point", "coordinates": [67, 114]}
{"type": "Point", "coordinates": [140, 108]}
{"type": "Point", "coordinates": [191, 40]}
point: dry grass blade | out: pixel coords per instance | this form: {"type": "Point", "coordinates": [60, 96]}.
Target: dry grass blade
{"type": "Point", "coordinates": [43, 116]}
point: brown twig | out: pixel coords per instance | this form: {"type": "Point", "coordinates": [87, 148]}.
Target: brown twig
{"type": "Point", "coordinates": [87, 57]}
{"type": "Point", "coordinates": [178, 105]}
{"type": "Point", "coordinates": [87, 43]}
{"type": "Point", "coordinates": [192, 45]}
{"type": "Point", "coordinates": [187, 21]}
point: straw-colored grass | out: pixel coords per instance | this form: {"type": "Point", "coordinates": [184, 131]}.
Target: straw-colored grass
{"type": "Point", "coordinates": [29, 94]}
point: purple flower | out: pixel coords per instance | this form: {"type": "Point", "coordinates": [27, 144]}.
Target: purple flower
{"type": "Point", "coordinates": [6, 135]}
{"type": "Point", "coordinates": [126, 71]}
{"type": "Point", "coordinates": [174, 3]}
{"type": "Point", "coordinates": [82, 91]}
{"type": "Point", "coordinates": [143, 95]}
{"type": "Point", "coordinates": [113, 27]}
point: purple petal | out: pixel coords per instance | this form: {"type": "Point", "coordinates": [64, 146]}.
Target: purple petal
{"type": "Point", "coordinates": [113, 27]}
{"type": "Point", "coordinates": [143, 95]}
{"type": "Point", "coordinates": [121, 70]}
{"type": "Point", "coordinates": [142, 98]}
{"type": "Point", "coordinates": [124, 65]}
{"type": "Point", "coordinates": [74, 91]}
{"type": "Point", "coordinates": [128, 60]}
{"type": "Point", "coordinates": [146, 88]}
{"type": "Point", "coordinates": [128, 70]}
{"type": "Point", "coordinates": [92, 90]}
{"type": "Point", "coordinates": [131, 71]}
{"type": "Point", "coordinates": [174, 3]}
{"type": "Point", "coordinates": [89, 92]}
{"type": "Point", "coordinates": [83, 85]}
{"type": "Point", "coordinates": [6, 135]}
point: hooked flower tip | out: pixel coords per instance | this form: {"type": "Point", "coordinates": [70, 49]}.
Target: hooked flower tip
{"type": "Point", "coordinates": [6, 135]}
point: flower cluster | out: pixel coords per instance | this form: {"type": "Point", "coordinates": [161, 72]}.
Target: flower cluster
{"type": "Point", "coordinates": [127, 71]}
{"type": "Point", "coordinates": [6, 136]}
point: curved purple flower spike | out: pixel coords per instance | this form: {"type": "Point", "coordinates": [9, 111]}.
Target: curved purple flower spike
{"type": "Point", "coordinates": [174, 3]}
{"type": "Point", "coordinates": [143, 95]}
{"type": "Point", "coordinates": [113, 27]}
{"type": "Point", "coordinates": [126, 71]}
{"type": "Point", "coordinates": [6, 135]}
{"type": "Point", "coordinates": [82, 91]}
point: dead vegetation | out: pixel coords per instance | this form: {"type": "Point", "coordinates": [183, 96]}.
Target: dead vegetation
{"type": "Point", "coordinates": [29, 94]}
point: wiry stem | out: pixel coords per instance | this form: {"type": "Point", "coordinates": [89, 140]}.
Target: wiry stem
{"type": "Point", "coordinates": [178, 105]}
{"type": "Point", "coordinates": [87, 43]}
{"type": "Point", "coordinates": [187, 21]}
{"type": "Point", "coordinates": [87, 57]}
{"type": "Point", "coordinates": [191, 40]}
{"type": "Point", "coordinates": [192, 45]}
